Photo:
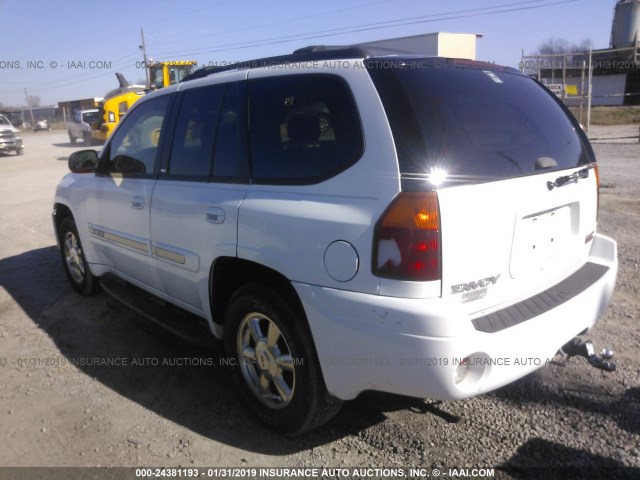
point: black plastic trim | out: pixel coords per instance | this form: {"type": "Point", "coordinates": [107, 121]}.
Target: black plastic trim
{"type": "Point", "coordinates": [541, 303]}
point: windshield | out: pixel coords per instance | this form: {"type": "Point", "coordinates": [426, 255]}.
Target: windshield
{"type": "Point", "coordinates": [4, 121]}
{"type": "Point", "coordinates": [177, 73]}
{"type": "Point", "coordinates": [474, 124]}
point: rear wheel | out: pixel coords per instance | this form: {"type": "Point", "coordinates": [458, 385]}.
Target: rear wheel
{"type": "Point", "coordinates": [72, 139]}
{"type": "Point", "coordinates": [73, 260]}
{"type": "Point", "coordinates": [276, 367]}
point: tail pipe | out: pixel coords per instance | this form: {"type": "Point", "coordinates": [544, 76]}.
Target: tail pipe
{"type": "Point", "coordinates": [578, 348]}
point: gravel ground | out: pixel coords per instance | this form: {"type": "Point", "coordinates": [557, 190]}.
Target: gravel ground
{"type": "Point", "coordinates": [556, 423]}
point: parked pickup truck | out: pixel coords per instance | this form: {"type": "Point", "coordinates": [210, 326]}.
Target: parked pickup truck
{"type": "Point", "coordinates": [10, 139]}
{"type": "Point", "coordinates": [80, 127]}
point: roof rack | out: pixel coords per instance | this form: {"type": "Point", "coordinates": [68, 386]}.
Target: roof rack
{"type": "Point", "coordinates": [306, 54]}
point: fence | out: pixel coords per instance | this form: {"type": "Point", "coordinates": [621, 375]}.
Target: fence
{"type": "Point", "coordinates": [589, 78]}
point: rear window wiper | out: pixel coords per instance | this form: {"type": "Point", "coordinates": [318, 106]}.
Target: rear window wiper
{"type": "Point", "coordinates": [565, 179]}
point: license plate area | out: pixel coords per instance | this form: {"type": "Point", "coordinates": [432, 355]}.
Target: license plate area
{"type": "Point", "coordinates": [541, 240]}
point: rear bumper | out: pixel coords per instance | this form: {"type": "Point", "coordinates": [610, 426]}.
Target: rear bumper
{"type": "Point", "coordinates": [415, 347]}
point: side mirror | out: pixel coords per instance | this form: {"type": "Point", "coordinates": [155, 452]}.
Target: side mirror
{"type": "Point", "coordinates": [83, 161]}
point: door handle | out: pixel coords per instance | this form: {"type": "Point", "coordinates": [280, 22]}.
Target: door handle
{"type": "Point", "coordinates": [214, 215]}
{"type": "Point", "coordinates": [137, 202]}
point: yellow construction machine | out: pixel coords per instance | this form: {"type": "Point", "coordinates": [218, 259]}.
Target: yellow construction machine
{"type": "Point", "coordinates": [117, 102]}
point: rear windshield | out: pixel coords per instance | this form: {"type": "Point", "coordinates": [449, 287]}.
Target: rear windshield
{"type": "Point", "coordinates": [90, 117]}
{"type": "Point", "coordinates": [473, 124]}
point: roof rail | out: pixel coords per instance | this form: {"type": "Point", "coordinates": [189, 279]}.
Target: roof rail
{"type": "Point", "coordinates": [306, 54]}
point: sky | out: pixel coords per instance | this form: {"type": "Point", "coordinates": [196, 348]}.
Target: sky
{"type": "Point", "coordinates": [68, 50]}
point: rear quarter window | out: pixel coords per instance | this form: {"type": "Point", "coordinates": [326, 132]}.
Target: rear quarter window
{"type": "Point", "coordinates": [304, 128]}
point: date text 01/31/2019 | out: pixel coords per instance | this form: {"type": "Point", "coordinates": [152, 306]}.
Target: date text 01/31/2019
{"type": "Point", "coordinates": [312, 472]}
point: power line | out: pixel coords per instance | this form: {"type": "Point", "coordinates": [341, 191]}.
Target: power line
{"type": "Point", "coordinates": [280, 22]}
{"type": "Point", "coordinates": [474, 12]}
{"type": "Point", "coordinates": [421, 19]}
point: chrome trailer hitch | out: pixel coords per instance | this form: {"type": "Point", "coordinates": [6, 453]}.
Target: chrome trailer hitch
{"type": "Point", "coordinates": [578, 348]}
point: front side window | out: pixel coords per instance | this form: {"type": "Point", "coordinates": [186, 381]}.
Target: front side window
{"type": "Point", "coordinates": [157, 77]}
{"type": "Point", "coordinates": [304, 128]}
{"type": "Point", "coordinates": [134, 145]}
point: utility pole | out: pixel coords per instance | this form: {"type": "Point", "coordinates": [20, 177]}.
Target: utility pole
{"type": "Point", "coordinates": [590, 91]}
{"type": "Point", "coordinates": [26, 94]}
{"type": "Point", "coordinates": [144, 55]}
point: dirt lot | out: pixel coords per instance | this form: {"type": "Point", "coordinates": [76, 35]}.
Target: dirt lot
{"type": "Point", "coordinates": [57, 408]}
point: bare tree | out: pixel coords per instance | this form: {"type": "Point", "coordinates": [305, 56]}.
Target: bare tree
{"type": "Point", "coordinates": [560, 45]}
{"type": "Point", "coordinates": [553, 46]}
{"type": "Point", "coordinates": [556, 53]}
{"type": "Point", "coordinates": [584, 46]}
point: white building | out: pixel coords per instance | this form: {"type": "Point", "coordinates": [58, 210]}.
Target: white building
{"type": "Point", "coordinates": [439, 44]}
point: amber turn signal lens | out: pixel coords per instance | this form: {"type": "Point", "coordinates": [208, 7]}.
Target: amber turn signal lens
{"type": "Point", "coordinates": [413, 209]}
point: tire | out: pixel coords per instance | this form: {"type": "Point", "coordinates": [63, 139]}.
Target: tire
{"type": "Point", "coordinates": [72, 139]}
{"type": "Point", "coordinates": [73, 260]}
{"type": "Point", "coordinates": [276, 367]}
{"type": "Point", "coordinates": [20, 151]}
{"type": "Point", "coordinates": [87, 138]}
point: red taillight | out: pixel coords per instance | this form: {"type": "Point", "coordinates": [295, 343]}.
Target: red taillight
{"type": "Point", "coordinates": [406, 241]}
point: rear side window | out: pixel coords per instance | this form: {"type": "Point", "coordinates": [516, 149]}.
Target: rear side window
{"type": "Point", "coordinates": [476, 125]}
{"type": "Point", "coordinates": [304, 128]}
{"type": "Point", "coordinates": [230, 154]}
{"type": "Point", "coordinates": [192, 147]}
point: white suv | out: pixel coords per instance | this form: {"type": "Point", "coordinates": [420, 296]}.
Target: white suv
{"type": "Point", "coordinates": [421, 226]}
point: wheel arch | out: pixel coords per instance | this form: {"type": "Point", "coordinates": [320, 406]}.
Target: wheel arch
{"type": "Point", "coordinates": [60, 212]}
{"type": "Point", "coordinates": [229, 273]}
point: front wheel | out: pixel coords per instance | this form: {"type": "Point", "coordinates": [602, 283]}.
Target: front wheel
{"type": "Point", "coordinates": [275, 364]}
{"type": "Point", "coordinates": [73, 260]}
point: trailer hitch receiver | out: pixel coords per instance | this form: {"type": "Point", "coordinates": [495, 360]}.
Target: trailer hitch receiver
{"type": "Point", "coordinates": [578, 348]}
